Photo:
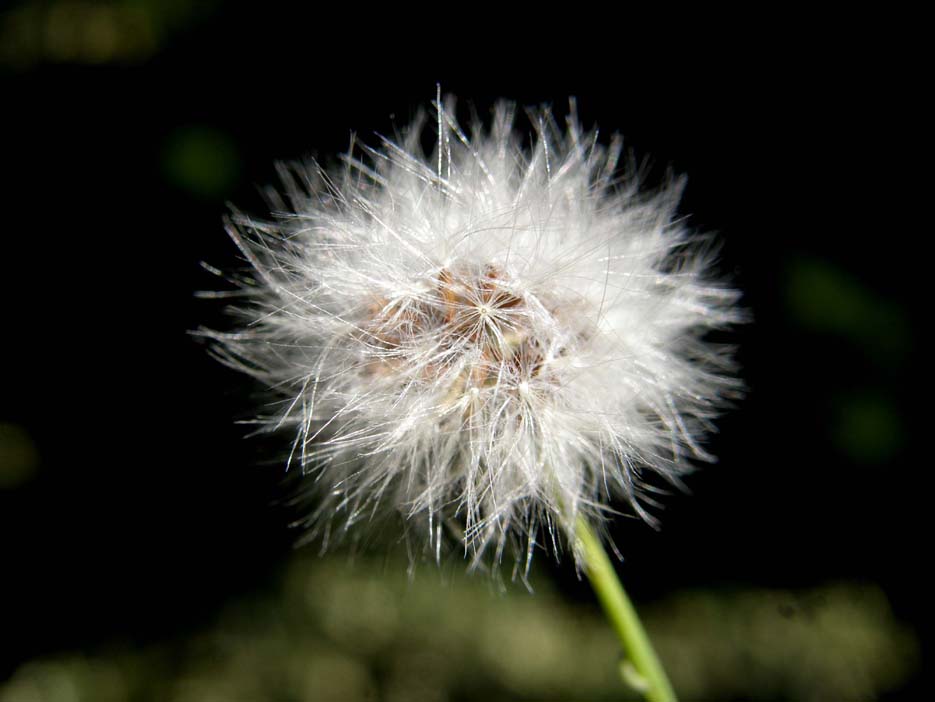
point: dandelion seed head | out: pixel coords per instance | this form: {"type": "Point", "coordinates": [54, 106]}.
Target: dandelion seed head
{"type": "Point", "coordinates": [498, 336]}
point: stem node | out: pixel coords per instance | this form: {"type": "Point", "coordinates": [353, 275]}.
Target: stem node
{"type": "Point", "coordinates": [641, 669]}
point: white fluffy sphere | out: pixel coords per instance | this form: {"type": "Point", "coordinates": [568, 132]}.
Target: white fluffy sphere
{"type": "Point", "coordinates": [498, 337]}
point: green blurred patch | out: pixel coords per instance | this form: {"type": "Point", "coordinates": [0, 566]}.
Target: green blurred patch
{"type": "Point", "coordinates": [92, 31]}
{"type": "Point", "coordinates": [19, 458]}
{"type": "Point", "coordinates": [868, 428]}
{"type": "Point", "coordinates": [365, 632]}
{"type": "Point", "coordinates": [202, 161]}
{"type": "Point", "coordinates": [825, 298]}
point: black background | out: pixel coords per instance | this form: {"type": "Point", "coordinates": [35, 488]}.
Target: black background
{"type": "Point", "coordinates": [151, 509]}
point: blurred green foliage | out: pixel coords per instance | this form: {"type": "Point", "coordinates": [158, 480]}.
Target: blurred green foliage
{"type": "Point", "coordinates": [92, 31]}
{"type": "Point", "coordinates": [868, 428]}
{"type": "Point", "coordinates": [345, 632]}
{"type": "Point", "coordinates": [865, 424]}
{"type": "Point", "coordinates": [202, 161]}
{"type": "Point", "coordinates": [19, 458]}
{"type": "Point", "coordinates": [825, 298]}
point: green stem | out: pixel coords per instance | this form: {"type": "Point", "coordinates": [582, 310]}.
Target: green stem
{"type": "Point", "coordinates": [619, 610]}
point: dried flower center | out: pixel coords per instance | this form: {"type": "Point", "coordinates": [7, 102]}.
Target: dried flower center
{"type": "Point", "coordinates": [471, 322]}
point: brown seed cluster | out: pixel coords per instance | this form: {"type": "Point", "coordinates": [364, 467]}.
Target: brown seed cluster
{"type": "Point", "coordinates": [463, 311]}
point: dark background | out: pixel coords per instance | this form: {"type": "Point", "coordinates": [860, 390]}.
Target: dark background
{"type": "Point", "coordinates": [139, 508]}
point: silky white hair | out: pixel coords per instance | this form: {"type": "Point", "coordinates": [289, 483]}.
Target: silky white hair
{"type": "Point", "coordinates": [494, 339]}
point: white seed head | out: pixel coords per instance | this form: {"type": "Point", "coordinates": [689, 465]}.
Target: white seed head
{"type": "Point", "coordinates": [499, 336]}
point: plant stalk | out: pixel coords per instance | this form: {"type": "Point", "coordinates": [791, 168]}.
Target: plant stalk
{"type": "Point", "coordinates": [622, 615]}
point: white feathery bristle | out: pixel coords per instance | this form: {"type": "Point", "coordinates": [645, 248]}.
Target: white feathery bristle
{"type": "Point", "coordinates": [501, 336]}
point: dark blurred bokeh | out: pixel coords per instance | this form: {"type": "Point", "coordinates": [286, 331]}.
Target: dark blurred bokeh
{"type": "Point", "coordinates": [146, 549]}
